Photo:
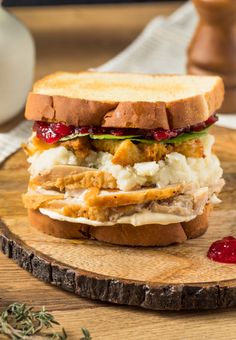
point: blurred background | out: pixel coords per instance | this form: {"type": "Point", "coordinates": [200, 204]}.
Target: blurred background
{"type": "Point", "coordinates": [38, 37]}
{"type": "Point", "coordinates": [77, 37]}
{"type": "Point", "coordinates": [69, 2]}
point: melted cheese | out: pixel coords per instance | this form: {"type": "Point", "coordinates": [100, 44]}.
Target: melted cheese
{"type": "Point", "coordinates": [138, 219]}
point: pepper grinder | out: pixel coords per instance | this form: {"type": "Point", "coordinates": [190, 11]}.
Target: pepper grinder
{"type": "Point", "coordinates": [213, 46]}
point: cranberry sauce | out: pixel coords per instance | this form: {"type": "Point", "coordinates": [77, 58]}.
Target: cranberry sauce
{"type": "Point", "coordinates": [223, 250]}
{"type": "Point", "coordinates": [53, 132]}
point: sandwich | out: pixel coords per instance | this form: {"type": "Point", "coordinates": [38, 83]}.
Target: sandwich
{"type": "Point", "coordinates": [123, 158]}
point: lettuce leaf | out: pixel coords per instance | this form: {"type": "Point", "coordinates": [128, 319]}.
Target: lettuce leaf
{"type": "Point", "coordinates": [136, 138]}
{"type": "Point", "coordinates": [186, 136]}
{"type": "Point", "coordinates": [92, 136]}
{"type": "Point", "coordinates": [73, 136]}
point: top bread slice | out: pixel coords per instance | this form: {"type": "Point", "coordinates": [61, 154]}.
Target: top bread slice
{"type": "Point", "coordinates": [125, 100]}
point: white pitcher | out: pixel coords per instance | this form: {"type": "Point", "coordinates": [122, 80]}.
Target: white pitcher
{"type": "Point", "coordinates": [17, 58]}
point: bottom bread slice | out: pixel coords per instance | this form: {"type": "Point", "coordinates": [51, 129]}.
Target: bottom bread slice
{"type": "Point", "coordinates": [123, 234]}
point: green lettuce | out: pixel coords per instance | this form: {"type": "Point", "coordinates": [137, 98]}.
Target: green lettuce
{"type": "Point", "coordinates": [186, 136]}
{"type": "Point", "coordinates": [73, 136]}
{"type": "Point", "coordinates": [136, 138]}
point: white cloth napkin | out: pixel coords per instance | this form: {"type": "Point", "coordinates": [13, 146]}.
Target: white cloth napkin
{"type": "Point", "coordinates": [11, 141]}
{"type": "Point", "coordinates": [160, 48]}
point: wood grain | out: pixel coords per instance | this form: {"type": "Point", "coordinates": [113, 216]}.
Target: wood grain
{"type": "Point", "coordinates": [105, 322]}
{"type": "Point", "coordinates": [74, 38]}
{"type": "Point", "coordinates": [170, 278]}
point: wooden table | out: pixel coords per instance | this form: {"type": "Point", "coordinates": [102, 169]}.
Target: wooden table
{"type": "Point", "coordinates": [74, 38]}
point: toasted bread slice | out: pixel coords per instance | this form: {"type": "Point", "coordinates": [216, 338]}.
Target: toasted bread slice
{"type": "Point", "coordinates": [123, 234]}
{"type": "Point", "coordinates": [125, 100]}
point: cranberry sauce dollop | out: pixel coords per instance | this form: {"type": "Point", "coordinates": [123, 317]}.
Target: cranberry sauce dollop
{"type": "Point", "coordinates": [53, 132]}
{"type": "Point", "coordinates": [223, 250]}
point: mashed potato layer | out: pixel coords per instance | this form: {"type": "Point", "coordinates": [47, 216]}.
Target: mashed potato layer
{"type": "Point", "coordinates": [175, 168]}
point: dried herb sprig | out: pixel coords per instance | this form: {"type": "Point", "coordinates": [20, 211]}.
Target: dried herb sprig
{"type": "Point", "coordinates": [86, 334]}
{"type": "Point", "coordinates": [20, 322]}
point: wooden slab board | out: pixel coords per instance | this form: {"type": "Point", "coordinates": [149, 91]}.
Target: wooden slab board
{"type": "Point", "coordinates": [171, 278]}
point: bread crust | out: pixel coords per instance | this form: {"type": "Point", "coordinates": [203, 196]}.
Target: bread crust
{"type": "Point", "coordinates": [143, 115]}
{"type": "Point", "coordinates": [123, 234]}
